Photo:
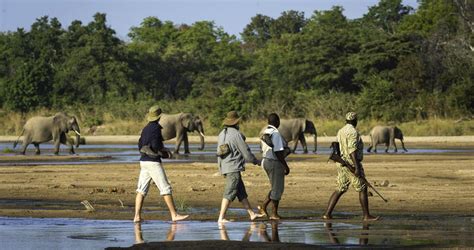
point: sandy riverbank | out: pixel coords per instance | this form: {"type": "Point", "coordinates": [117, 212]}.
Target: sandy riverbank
{"type": "Point", "coordinates": [417, 184]}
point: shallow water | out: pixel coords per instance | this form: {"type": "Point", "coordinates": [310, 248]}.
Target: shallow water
{"type": "Point", "coordinates": [59, 233]}
{"type": "Point", "coordinates": [127, 153]}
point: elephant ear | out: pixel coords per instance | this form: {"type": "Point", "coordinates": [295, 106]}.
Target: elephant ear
{"type": "Point", "coordinates": [72, 120]}
{"type": "Point", "coordinates": [187, 122]}
{"type": "Point", "coordinates": [60, 123]}
{"type": "Point", "coordinates": [303, 124]}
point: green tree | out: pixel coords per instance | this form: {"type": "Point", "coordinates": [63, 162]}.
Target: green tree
{"type": "Point", "coordinates": [387, 14]}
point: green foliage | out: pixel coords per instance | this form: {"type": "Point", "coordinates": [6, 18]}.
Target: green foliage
{"type": "Point", "coordinates": [378, 100]}
{"type": "Point", "coordinates": [393, 64]}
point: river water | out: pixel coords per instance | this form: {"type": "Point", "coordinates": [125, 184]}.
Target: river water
{"type": "Point", "coordinates": [59, 233]}
{"type": "Point", "coordinates": [127, 153]}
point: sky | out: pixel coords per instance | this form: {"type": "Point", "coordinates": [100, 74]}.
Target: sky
{"type": "Point", "coordinates": [231, 15]}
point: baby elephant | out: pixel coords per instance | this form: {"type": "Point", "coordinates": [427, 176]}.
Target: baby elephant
{"type": "Point", "coordinates": [40, 129]}
{"type": "Point", "coordinates": [387, 135]}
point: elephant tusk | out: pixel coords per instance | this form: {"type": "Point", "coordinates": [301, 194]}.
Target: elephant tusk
{"type": "Point", "coordinates": [75, 131]}
{"type": "Point", "coordinates": [202, 134]}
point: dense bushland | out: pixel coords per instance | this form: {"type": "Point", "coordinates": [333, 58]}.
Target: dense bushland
{"type": "Point", "coordinates": [393, 65]}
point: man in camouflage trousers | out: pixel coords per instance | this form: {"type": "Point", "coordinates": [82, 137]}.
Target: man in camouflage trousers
{"type": "Point", "coordinates": [351, 147]}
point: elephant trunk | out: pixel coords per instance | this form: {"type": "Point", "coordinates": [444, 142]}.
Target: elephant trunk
{"type": "Point", "coordinates": [78, 138]}
{"type": "Point", "coordinates": [315, 141]}
{"type": "Point", "coordinates": [201, 136]}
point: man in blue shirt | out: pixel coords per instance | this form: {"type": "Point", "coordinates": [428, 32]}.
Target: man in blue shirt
{"type": "Point", "coordinates": [151, 168]}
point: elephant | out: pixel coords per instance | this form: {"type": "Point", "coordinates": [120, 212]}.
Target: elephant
{"type": "Point", "coordinates": [41, 129]}
{"type": "Point", "coordinates": [294, 129]}
{"type": "Point", "coordinates": [387, 135]}
{"type": "Point", "coordinates": [178, 125]}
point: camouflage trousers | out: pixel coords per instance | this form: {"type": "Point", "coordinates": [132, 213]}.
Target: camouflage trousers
{"type": "Point", "coordinates": [345, 177]}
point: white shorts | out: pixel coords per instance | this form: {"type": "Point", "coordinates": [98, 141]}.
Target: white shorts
{"type": "Point", "coordinates": [151, 170]}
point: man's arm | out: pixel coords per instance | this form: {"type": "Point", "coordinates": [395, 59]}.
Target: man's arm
{"type": "Point", "coordinates": [245, 150]}
{"type": "Point", "coordinates": [278, 149]}
{"type": "Point", "coordinates": [356, 164]}
{"type": "Point", "coordinates": [281, 157]}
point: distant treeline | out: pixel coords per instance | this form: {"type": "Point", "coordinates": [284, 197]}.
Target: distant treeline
{"type": "Point", "coordinates": [393, 64]}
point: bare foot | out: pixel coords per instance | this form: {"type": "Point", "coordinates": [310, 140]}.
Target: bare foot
{"type": "Point", "coordinates": [179, 217]}
{"type": "Point", "coordinates": [255, 216]}
{"type": "Point", "coordinates": [137, 220]}
{"type": "Point", "coordinates": [221, 221]}
{"type": "Point", "coordinates": [275, 217]}
{"type": "Point", "coordinates": [263, 211]}
{"type": "Point", "coordinates": [326, 217]}
{"type": "Point", "coordinates": [371, 218]}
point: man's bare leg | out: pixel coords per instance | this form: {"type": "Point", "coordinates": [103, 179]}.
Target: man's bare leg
{"type": "Point", "coordinates": [249, 209]}
{"type": "Point", "coordinates": [263, 208]}
{"type": "Point", "coordinates": [170, 203]}
{"type": "Point", "coordinates": [275, 215]}
{"type": "Point", "coordinates": [332, 203]}
{"type": "Point", "coordinates": [364, 202]}
{"type": "Point", "coordinates": [138, 207]}
{"type": "Point", "coordinates": [224, 206]}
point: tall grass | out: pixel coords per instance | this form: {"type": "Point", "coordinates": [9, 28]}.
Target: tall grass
{"type": "Point", "coordinates": [131, 121]}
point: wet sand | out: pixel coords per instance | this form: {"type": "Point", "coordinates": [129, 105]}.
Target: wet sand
{"type": "Point", "coordinates": [416, 184]}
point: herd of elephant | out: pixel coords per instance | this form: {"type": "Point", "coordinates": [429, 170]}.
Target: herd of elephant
{"type": "Point", "coordinates": [41, 129]}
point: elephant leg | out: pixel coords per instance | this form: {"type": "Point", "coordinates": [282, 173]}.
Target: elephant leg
{"type": "Point", "coordinates": [37, 146]}
{"type": "Point", "coordinates": [57, 141]}
{"type": "Point", "coordinates": [395, 146]}
{"type": "Point", "coordinates": [369, 148]}
{"type": "Point", "coordinates": [56, 147]}
{"type": "Point", "coordinates": [186, 143]}
{"type": "Point", "coordinates": [375, 147]}
{"type": "Point", "coordinates": [68, 142]}
{"type": "Point", "coordinates": [24, 145]}
{"type": "Point", "coordinates": [295, 145]}
{"type": "Point", "coordinates": [403, 146]}
{"type": "Point", "coordinates": [303, 143]}
{"type": "Point", "coordinates": [387, 145]}
{"type": "Point", "coordinates": [179, 140]}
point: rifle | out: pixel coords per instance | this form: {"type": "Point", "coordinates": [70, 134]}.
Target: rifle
{"type": "Point", "coordinates": [336, 157]}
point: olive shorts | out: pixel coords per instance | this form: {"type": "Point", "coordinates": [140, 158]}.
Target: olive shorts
{"type": "Point", "coordinates": [150, 170]}
{"type": "Point", "coordinates": [276, 173]}
{"type": "Point", "coordinates": [234, 187]}
{"type": "Point", "coordinates": [345, 177]}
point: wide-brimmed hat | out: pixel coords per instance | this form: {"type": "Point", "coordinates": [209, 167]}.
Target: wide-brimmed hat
{"type": "Point", "coordinates": [154, 113]}
{"type": "Point", "coordinates": [231, 119]}
{"type": "Point", "coordinates": [350, 116]}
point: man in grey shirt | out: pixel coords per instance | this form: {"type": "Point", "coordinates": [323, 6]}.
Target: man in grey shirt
{"type": "Point", "coordinates": [232, 162]}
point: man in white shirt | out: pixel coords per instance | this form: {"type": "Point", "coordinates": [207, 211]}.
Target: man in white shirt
{"type": "Point", "coordinates": [275, 166]}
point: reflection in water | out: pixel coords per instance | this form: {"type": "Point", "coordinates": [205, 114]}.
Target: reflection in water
{"type": "Point", "coordinates": [363, 237]}
{"type": "Point", "coordinates": [138, 233]}
{"type": "Point", "coordinates": [174, 227]}
{"type": "Point", "coordinates": [246, 237]}
{"type": "Point", "coordinates": [261, 229]}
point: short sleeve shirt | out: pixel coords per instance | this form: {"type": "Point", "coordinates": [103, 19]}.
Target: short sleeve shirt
{"type": "Point", "coordinates": [350, 141]}
{"type": "Point", "coordinates": [277, 140]}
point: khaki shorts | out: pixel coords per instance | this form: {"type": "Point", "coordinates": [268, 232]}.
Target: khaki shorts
{"type": "Point", "coordinates": [234, 187]}
{"type": "Point", "coordinates": [151, 170]}
{"type": "Point", "coordinates": [345, 177]}
{"type": "Point", "coordinates": [276, 173]}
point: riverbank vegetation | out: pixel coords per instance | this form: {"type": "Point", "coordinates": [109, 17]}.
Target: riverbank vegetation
{"type": "Point", "coordinates": [394, 65]}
